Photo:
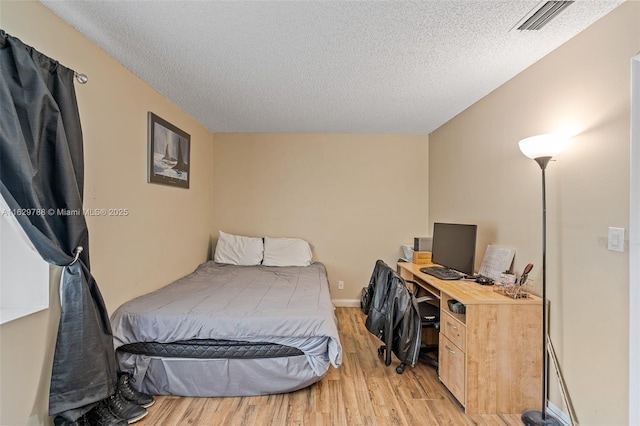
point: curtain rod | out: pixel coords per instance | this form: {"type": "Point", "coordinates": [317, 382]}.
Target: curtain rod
{"type": "Point", "coordinates": [80, 78]}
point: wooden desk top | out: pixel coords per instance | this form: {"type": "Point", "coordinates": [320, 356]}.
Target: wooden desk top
{"type": "Point", "coordinates": [466, 292]}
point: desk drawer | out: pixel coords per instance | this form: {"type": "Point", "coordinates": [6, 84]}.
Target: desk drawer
{"type": "Point", "coordinates": [454, 330]}
{"type": "Point", "coordinates": [451, 369]}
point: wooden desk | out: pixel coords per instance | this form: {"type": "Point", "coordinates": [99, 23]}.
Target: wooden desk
{"type": "Point", "coordinates": [490, 357]}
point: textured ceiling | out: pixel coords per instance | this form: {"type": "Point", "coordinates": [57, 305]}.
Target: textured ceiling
{"type": "Point", "coordinates": [324, 67]}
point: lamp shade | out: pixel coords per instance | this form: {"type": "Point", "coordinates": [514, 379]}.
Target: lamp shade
{"type": "Point", "coordinates": [542, 146]}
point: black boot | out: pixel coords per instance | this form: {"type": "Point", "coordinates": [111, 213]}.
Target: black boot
{"type": "Point", "coordinates": [101, 415]}
{"type": "Point", "coordinates": [131, 394]}
{"type": "Point", "coordinates": [61, 421]}
{"type": "Point", "coordinates": [124, 409]}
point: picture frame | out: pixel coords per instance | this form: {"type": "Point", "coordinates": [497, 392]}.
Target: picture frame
{"type": "Point", "coordinates": [168, 152]}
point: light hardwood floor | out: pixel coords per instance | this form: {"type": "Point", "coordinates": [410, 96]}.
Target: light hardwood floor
{"type": "Point", "coordinates": [363, 391]}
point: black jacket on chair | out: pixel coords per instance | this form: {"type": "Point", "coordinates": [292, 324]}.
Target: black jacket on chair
{"type": "Point", "coordinates": [392, 314]}
{"type": "Point", "coordinates": [375, 300]}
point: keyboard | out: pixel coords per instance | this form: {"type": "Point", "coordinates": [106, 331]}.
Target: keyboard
{"type": "Point", "coordinates": [442, 272]}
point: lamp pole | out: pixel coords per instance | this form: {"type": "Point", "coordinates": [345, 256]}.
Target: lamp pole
{"type": "Point", "coordinates": [542, 162]}
{"type": "Point", "coordinates": [533, 417]}
{"type": "Point", "coordinates": [542, 149]}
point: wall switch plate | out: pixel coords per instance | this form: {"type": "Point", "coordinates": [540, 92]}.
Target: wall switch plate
{"type": "Point", "coordinates": [616, 239]}
{"type": "Point", "coordinates": [340, 285]}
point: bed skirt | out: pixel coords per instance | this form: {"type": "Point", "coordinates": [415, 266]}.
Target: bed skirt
{"type": "Point", "coordinates": [218, 377]}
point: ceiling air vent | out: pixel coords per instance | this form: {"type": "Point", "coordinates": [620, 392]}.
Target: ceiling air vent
{"type": "Point", "coordinates": [544, 15]}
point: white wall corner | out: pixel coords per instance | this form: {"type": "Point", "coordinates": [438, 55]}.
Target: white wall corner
{"type": "Point", "coordinates": [634, 247]}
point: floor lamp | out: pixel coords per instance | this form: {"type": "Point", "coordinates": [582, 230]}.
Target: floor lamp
{"type": "Point", "coordinates": [542, 149]}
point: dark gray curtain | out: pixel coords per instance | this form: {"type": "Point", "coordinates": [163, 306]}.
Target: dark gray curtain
{"type": "Point", "coordinates": [42, 172]}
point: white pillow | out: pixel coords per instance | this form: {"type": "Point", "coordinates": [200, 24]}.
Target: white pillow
{"type": "Point", "coordinates": [238, 250]}
{"type": "Point", "coordinates": [286, 252]}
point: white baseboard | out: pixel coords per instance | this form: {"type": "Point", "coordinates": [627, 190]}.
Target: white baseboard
{"type": "Point", "coordinates": [558, 414]}
{"type": "Point", "coordinates": [349, 303]}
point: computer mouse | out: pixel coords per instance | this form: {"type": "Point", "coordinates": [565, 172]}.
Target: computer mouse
{"type": "Point", "coordinates": [484, 280]}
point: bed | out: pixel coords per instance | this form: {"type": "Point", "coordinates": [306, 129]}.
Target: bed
{"type": "Point", "coordinates": [230, 330]}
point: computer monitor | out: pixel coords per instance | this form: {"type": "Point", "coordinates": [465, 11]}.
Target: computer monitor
{"type": "Point", "coordinates": [454, 246]}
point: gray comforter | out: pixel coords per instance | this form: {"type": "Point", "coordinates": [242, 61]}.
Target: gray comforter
{"type": "Point", "coordinates": [285, 305]}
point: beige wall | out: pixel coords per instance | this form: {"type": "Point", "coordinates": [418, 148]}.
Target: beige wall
{"type": "Point", "coordinates": [477, 174]}
{"type": "Point", "coordinates": [356, 198]}
{"type": "Point", "coordinates": [166, 233]}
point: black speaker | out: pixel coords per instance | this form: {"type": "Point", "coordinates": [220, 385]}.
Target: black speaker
{"type": "Point", "coordinates": [422, 243]}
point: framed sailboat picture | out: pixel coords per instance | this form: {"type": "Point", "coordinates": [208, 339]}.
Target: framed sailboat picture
{"type": "Point", "coordinates": [168, 152]}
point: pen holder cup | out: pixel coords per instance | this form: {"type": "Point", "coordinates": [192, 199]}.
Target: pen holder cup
{"type": "Point", "coordinates": [513, 290]}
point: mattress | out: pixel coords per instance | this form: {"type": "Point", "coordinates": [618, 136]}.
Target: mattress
{"type": "Point", "coordinates": [227, 330]}
{"type": "Point", "coordinates": [211, 348]}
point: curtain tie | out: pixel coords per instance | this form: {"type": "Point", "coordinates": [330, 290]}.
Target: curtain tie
{"type": "Point", "coordinates": [76, 252]}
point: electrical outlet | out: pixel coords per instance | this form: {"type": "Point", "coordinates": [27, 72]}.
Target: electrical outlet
{"type": "Point", "coordinates": [340, 285]}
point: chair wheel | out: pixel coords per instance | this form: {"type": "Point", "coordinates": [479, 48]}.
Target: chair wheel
{"type": "Point", "coordinates": [381, 350]}
{"type": "Point", "coordinates": [400, 369]}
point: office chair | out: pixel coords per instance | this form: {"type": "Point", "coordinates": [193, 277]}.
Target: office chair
{"type": "Point", "coordinates": [397, 317]}
{"type": "Point", "coordinates": [429, 318]}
